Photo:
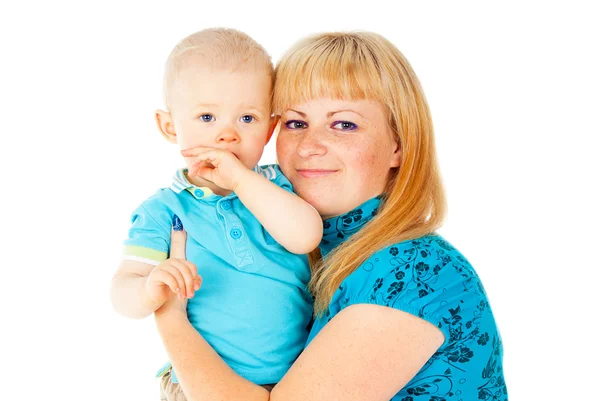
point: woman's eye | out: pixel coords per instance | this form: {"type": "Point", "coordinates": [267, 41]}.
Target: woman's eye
{"type": "Point", "coordinates": [345, 125]}
{"type": "Point", "coordinates": [295, 124]}
{"type": "Point", "coordinates": [247, 119]}
{"type": "Point", "coordinates": [207, 118]}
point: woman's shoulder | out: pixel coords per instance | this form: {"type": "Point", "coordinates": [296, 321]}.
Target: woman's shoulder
{"type": "Point", "coordinates": [419, 276]}
{"type": "Point", "coordinates": [423, 247]}
{"type": "Point", "coordinates": [426, 277]}
{"type": "Point", "coordinates": [429, 255]}
{"type": "Point", "coordinates": [422, 257]}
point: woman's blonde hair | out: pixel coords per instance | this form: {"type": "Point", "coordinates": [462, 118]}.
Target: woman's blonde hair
{"type": "Point", "coordinates": [364, 65]}
{"type": "Point", "coordinates": [219, 48]}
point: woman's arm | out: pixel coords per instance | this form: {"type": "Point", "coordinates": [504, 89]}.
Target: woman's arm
{"type": "Point", "coordinates": [201, 372]}
{"type": "Point", "coordinates": [366, 353]}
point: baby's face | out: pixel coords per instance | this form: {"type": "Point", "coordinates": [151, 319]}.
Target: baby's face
{"type": "Point", "coordinates": [222, 109]}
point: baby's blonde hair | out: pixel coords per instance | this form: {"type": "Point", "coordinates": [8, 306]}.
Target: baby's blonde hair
{"type": "Point", "coordinates": [218, 48]}
{"type": "Point", "coordinates": [365, 65]}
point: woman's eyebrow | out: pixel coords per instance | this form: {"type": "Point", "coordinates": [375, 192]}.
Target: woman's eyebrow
{"type": "Point", "coordinates": [331, 113]}
{"type": "Point", "coordinates": [297, 112]}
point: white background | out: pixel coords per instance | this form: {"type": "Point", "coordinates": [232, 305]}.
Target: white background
{"type": "Point", "coordinates": [514, 92]}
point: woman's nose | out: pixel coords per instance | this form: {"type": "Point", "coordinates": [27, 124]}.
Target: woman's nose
{"type": "Point", "coordinates": [228, 135]}
{"type": "Point", "coordinates": [311, 144]}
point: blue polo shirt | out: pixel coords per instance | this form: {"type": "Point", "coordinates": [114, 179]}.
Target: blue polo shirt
{"type": "Point", "coordinates": [253, 307]}
{"type": "Point", "coordinates": [428, 278]}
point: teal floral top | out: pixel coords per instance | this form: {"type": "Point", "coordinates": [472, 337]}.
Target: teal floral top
{"type": "Point", "coordinates": [429, 278]}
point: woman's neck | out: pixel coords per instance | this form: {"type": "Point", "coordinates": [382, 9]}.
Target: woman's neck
{"type": "Point", "coordinates": [339, 228]}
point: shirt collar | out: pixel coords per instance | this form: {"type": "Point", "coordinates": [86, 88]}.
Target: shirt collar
{"type": "Point", "coordinates": [338, 229]}
{"type": "Point", "coordinates": [181, 183]}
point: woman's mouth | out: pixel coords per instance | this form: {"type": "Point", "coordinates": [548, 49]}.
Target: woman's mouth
{"type": "Point", "coordinates": [315, 173]}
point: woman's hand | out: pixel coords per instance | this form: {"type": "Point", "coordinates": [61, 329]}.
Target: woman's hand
{"type": "Point", "coordinates": [219, 166]}
{"type": "Point", "coordinates": [177, 252]}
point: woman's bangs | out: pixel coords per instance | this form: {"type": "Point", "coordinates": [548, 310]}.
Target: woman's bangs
{"type": "Point", "coordinates": [325, 75]}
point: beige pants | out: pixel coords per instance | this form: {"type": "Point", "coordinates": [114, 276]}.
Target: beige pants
{"type": "Point", "coordinates": [170, 391]}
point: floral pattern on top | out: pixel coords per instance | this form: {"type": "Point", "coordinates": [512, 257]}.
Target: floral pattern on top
{"type": "Point", "coordinates": [431, 279]}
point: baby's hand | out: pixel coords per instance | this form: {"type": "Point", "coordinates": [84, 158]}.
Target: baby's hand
{"type": "Point", "coordinates": [173, 276]}
{"type": "Point", "coordinates": [216, 165]}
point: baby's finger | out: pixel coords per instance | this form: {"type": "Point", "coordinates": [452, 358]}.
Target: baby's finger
{"type": "Point", "coordinates": [166, 278]}
{"type": "Point", "coordinates": [187, 277]}
{"type": "Point", "coordinates": [176, 274]}
{"type": "Point", "coordinates": [205, 172]}
{"type": "Point", "coordinates": [201, 165]}
{"type": "Point", "coordinates": [197, 282]}
{"type": "Point", "coordinates": [192, 152]}
{"type": "Point", "coordinates": [209, 158]}
{"type": "Point", "coordinates": [196, 278]}
{"type": "Point", "coordinates": [178, 239]}
{"type": "Point", "coordinates": [192, 267]}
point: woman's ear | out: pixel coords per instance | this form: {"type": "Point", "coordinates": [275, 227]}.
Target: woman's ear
{"type": "Point", "coordinates": [164, 121]}
{"type": "Point", "coordinates": [272, 127]}
{"type": "Point", "coordinates": [396, 156]}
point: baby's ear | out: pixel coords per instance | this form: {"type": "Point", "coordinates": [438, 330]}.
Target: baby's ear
{"type": "Point", "coordinates": [164, 121]}
{"type": "Point", "coordinates": [272, 126]}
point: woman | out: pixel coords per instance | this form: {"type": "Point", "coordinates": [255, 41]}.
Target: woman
{"type": "Point", "coordinates": [399, 313]}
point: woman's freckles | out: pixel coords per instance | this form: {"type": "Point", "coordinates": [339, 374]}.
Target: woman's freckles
{"type": "Point", "coordinates": [359, 155]}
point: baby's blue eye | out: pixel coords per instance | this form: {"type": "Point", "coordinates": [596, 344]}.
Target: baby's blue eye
{"type": "Point", "coordinates": [345, 125]}
{"type": "Point", "coordinates": [295, 124]}
{"type": "Point", "coordinates": [247, 119]}
{"type": "Point", "coordinates": [207, 118]}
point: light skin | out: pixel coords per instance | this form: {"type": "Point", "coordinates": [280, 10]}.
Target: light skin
{"type": "Point", "coordinates": [337, 153]}
{"type": "Point", "coordinates": [218, 110]}
{"type": "Point", "coordinates": [221, 120]}
{"type": "Point", "coordinates": [366, 352]}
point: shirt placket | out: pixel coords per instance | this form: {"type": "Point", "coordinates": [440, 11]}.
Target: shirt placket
{"type": "Point", "coordinates": [235, 234]}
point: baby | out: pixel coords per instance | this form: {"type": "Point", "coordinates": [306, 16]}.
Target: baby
{"type": "Point", "coordinates": [247, 232]}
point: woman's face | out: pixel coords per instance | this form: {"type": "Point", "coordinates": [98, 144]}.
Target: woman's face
{"type": "Point", "coordinates": [336, 153]}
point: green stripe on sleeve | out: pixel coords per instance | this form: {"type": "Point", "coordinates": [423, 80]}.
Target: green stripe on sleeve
{"type": "Point", "coordinates": [144, 253]}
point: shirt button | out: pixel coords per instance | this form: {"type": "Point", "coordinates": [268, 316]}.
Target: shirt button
{"type": "Point", "coordinates": [226, 205]}
{"type": "Point", "coordinates": [235, 233]}
{"type": "Point", "coordinates": [199, 193]}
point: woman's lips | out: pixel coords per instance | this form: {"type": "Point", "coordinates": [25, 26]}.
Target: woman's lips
{"type": "Point", "coordinates": [315, 173]}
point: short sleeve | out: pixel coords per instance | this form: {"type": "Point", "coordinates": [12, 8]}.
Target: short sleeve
{"type": "Point", "coordinates": [273, 173]}
{"type": "Point", "coordinates": [149, 235]}
{"type": "Point", "coordinates": [425, 277]}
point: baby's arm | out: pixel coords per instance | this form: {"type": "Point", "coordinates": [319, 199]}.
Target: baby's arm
{"type": "Point", "coordinates": [147, 277]}
{"type": "Point", "coordinates": [138, 289]}
{"type": "Point", "coordinates": [128, 290]}
{"type": "Point", "coordinates": [291, 221]}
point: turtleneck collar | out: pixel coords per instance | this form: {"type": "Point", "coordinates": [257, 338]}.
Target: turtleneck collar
{"type": "Point", "coordinates": [339, 228]}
